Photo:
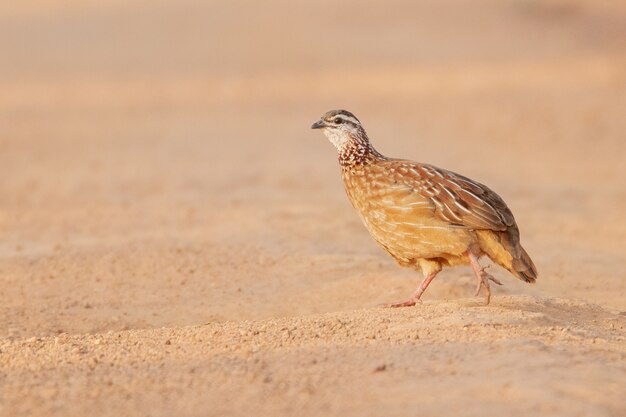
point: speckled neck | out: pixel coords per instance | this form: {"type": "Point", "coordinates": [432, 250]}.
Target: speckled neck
{"type": "Point", "coordinates": [357, 150]}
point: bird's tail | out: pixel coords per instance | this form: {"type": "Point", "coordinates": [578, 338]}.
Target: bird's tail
{"type": "Point", "coordinates": [523, 267]}
{"type": "Point", "coordinates": [505, 249]}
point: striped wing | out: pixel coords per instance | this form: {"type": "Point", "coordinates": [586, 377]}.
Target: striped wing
{"type": "Point", "coordinates": [458, 200]}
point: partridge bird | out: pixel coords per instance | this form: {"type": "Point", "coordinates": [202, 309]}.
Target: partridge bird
{"type": "Point", "coordinates": [425, 217]}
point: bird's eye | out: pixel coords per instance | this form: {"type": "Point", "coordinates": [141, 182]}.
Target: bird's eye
{"type": "Point", "coordinates": [338, 121]}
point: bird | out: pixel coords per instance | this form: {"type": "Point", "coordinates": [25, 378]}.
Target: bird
{"type": "Point", "coordinates": [425, 217]}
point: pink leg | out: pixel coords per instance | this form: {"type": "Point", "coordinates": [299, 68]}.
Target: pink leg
{"type": "Point", "coordinates": [482, 277]}
{"type": "Point", "coordinates": [415, 297]}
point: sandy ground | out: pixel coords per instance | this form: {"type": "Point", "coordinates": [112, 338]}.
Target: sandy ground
{"type": "Point", "coordinates": [175, 240]}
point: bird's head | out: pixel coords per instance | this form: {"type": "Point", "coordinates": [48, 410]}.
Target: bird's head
{"type": "Point", "coordinates": [340, 127]}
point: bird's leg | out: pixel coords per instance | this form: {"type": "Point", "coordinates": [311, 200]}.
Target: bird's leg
{"type": "Point", "coordinates": [415, 297]}
{"type": "Point", "coordinates": [482, 277]}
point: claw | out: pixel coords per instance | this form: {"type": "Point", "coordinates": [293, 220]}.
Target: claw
{"type": "Point", "coordinates": [483, 281]}
{"type": "Point", "coordinates": [406, 303]}
{"type": "Point", "coordinates": [491, 278]}
{"type": "Point", "coordinates": [482, 278]}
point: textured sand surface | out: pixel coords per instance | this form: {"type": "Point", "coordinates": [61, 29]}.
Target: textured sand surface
{"type": "Point", "coordinates": [175, 240]}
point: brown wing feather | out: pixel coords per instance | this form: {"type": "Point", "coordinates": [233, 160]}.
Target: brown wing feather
{"type": "Point", "coordinates": [458, 200]}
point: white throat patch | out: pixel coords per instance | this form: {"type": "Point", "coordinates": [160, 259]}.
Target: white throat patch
{"type": "Point", "coordinates": [338, 137]}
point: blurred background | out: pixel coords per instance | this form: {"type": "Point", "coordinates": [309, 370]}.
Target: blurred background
{"type": "Point", "coordinates": [157, 166]}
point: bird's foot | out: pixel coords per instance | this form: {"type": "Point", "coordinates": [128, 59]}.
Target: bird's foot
{"type": "Point", "coordinates": [482, 281]}
{"type": "Point", "coordinates": [482, 277]}
{"type": "Point", "coordinates": [417, 294]}
{"type": "Point", "coordinates": [406, 303]}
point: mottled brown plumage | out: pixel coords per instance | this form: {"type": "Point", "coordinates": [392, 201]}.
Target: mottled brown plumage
{"type": "Point", "coordinates": [425, 217]}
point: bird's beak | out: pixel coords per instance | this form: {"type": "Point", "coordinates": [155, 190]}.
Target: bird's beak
{"type": "Point", "coordinates": [319, 124]}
